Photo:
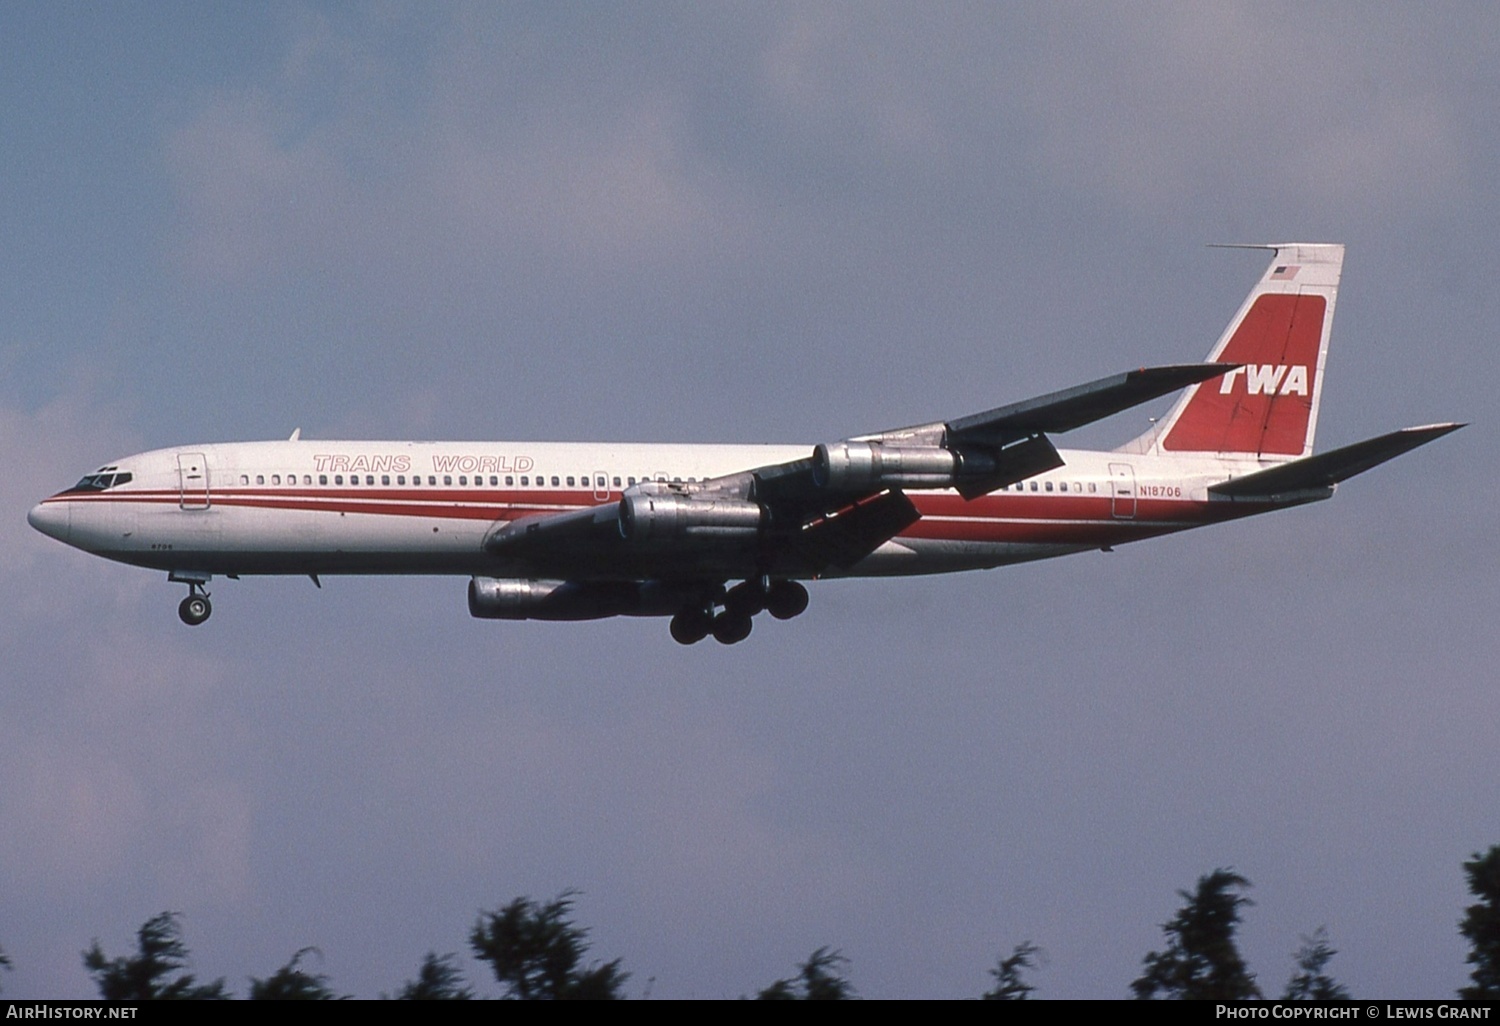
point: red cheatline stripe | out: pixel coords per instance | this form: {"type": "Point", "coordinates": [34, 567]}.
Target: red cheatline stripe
{"type": "Point", "coordinates": [1021, 508]}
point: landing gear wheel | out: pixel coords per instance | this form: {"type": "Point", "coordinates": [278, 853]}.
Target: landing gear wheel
{"type": "Point", "coordinates": [786, 599]}
{"type": "Point", "coordinates": [195, 609]}
{"type": "Point", "coordinates": [731, 628]}
{"type": "Point", "coordinates": [691, 626]}
{"type": "Point", "coordinates": [745, 599]}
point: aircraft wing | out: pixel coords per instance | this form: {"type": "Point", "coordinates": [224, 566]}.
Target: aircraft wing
{"type": "Point", "coordinates": [978, 453]}
{"type": "Point", "coordinates": [1069, 408]}
{"type": "Point", "coordinates": [829, 509]}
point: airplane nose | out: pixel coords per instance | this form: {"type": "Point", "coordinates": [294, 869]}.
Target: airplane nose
{"type": "Point", "coordinates": [51, 518]}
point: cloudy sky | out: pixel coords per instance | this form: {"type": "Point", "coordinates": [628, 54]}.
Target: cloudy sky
{"type": "Point", "coordinates": [755, 222]}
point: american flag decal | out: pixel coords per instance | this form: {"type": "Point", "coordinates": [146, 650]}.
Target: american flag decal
{"type": "Point", "coordinates": [1285, 272]}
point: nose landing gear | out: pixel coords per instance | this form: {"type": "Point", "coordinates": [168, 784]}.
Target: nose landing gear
{"type": "Point", "coordinates": [195, 608]}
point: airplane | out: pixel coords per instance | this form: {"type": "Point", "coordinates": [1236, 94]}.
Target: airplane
{"type": "Point", "coordinates": [713, 535]}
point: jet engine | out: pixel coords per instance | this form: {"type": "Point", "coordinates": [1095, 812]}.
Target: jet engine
{"type": "Point", "coordinates": [649, 516]}
{"type": "Point", "coordinates": [865, 466]}
{"type": "Point", "coordinates": [509, 598]}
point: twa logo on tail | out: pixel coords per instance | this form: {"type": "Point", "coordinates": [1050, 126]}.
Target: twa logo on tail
{"type": "Point", "coordinates": [1267, 408]}
{"type": "Point", "coordinates": [1266, 378]}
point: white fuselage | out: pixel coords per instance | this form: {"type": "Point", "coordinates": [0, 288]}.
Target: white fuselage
{"type": "Point", "coordinates": [318, 507]}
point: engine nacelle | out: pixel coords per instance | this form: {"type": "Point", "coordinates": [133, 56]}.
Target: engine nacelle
{"type": "Point", "coordinates": [508, 598]}
{"type": "Point", "coordinates": [862, 466]}
{"type": "Point", "coordinates": [648, 516]}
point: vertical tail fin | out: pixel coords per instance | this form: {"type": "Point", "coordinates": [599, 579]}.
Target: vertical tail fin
{"type": "Point", "coordinates": [1267, 409]}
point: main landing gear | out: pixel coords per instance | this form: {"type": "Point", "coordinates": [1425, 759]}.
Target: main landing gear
{"type": "Point", "coordinates": [782, 599]}
{"type": "Point", "coordinates": [195, 608]}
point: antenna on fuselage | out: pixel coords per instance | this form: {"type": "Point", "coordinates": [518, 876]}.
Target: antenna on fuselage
{"type": "Point", "coordinates": [296, 434]}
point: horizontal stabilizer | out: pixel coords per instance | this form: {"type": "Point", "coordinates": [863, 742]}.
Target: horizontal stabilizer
{"type": "Point", "coordinates": [1329, 468]}
{"type": "Point", "coordinates": [1080, 405]}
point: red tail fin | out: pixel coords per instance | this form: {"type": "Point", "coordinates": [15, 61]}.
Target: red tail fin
{"type": "Point", "coordinates": [1267, 409]}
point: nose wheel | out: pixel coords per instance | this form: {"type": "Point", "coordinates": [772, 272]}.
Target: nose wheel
{"type": "Point", "coordinates": [195, 609]}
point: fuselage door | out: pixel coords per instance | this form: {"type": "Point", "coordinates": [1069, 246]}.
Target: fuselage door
{"type": "Point", "coordinates": [192, 480]}
{"type": "Point", "coordinates": [1122, 491]}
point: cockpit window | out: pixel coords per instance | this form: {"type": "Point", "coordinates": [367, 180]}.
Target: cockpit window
{"type": "Point", "coordinates": [99, 482]}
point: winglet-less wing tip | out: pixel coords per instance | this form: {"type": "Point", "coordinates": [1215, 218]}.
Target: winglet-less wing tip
{"type": "Point", "coordinates": [1083, 404]}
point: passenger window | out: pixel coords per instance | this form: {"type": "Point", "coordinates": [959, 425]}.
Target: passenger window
{"type": "Point", "coordinates": [617, 482]}
{"type": "Point", "coordinates": [509, 481]}
{"type": "Point", "coordinates": [260, 479]}
{"type": "Point", "coordinates": [463, 480]}
{"type": "Point", "coordinates": [524, 483]}
{"type": "Point", "coordinates": [570, 482]}
{"type": "Point", "coordinates": [1033, 486]}
{"type": "Point", "coordinates": [276, 479]}
{"type": "Point", "coordinates": [322, 479]}
{"type": "Point", "coordinates": [385, 479]}
{"type": "Point", "coordinates": [401, 479]}
{"type": "Point", "coordinates": [447, 479]}
{"type": "Point", "coordinates": [1049, 486]}
{"type": "Point", "coordinates": [1093, 487]}
{"type": "Point", "coordinates": [554, 481]}
{"type": "Point", "coordinates": [338, 479]}
{"type": "Point", "coordinates": [244, 479]}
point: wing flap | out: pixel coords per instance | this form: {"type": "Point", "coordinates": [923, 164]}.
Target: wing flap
{"type": "Point", "coordinates": [844, 537]}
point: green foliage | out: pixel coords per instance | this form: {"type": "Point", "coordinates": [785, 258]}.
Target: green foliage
{"type": "Point", "coordinates": [290, 983]}
{"type": "Point", "coordinates": [536, 953]}
{"type": "Point", "coordinates": [1310, 983]}
{"type": "Point", "coordinates": [439, 979]}
{"type": "Point", "coordinates": [1010, 984]}
{"type": "Point", "coordinates": [1481, 925]}
{"type": "Point", "coordinates": [818, 979]}
{"type": "Point", "coordinates": [1201, 961]}
{"type": "Point", "coordinates": [151, 974]}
